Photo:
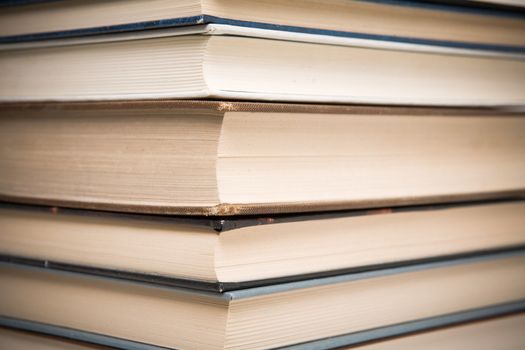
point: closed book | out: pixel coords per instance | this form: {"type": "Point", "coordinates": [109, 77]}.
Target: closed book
{"type": "Point", "coordinates": [435, 23]}
{"type": "Point", "coordinates": [225, 158]}
{"type": "Point", "coordinates": [220, 254]}
{"type": "Point", "coordinates": [254, 64]}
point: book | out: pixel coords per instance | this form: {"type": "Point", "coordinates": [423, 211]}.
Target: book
{"type": "Point", "coordinates": [21, 340]}
{"type": "Point", "coordinates": [497, 321]}
{"type": "Point", "coordinates": [226, 158]}
{"type": "Point", "coordinates": [418, 22]}
{"type": "Point", "coordinates": [221, 254]}
{"type": "Point", "coordinates": [194, 63]}
{"type": "Point", "coordinates": [499, 333]}
{"type": "Point", "coordinates": [272, 316]}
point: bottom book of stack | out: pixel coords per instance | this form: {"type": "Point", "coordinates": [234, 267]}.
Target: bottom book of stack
{"type": "Point", "coordinates": [504, 332]}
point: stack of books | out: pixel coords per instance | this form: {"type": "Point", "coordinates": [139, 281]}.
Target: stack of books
{"type": "Point", "coordinates": [226, 174]}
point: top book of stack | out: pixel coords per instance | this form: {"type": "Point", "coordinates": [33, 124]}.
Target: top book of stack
{"type": "Point", "coordinates": [384, 52]}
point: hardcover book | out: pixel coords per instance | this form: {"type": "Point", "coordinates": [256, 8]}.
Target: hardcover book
{"type": "Point", "coordinates": [441, 24]}
{"type": "Point", "coordinates": [487, 328]}
{"type": "Point", "coordinates": [255, 64]}
{"type": "Point", "coordinates": [225, 158]}
{"type": "Point", "coordinates": [229, 253]}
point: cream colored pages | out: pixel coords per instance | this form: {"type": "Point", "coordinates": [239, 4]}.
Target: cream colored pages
{"type": "Point", "coordinates": [260, 252]}
{"type": "Point", "coordinates": [136, 157]}
{"type": "Point", "coordinates": [502, 333]}
{"type": "Point", "coordinates": [178, 319]}
{"type": "Point", "coordinates": [132, 69]}
{"type": "Point", "coordinates": [234, 67]}
{"type": "Point", "coordinates": [247, 68]}
{"type": "Point", "coordinates": [308, 314]}
{"type": "Point", "coordinates": [20, 340]}
{"type": "Point", "coordinates": [154, 247]}
{"type": "Point", "coordinates": [134, 311]}
{"type": "Point", "coordinates": [81, 14]}
{"type": "Point", "coordinates": [176, 161]}
{"type": "Point", "coordinates": [376, 18]}
{"type": "Point", "coordinates": [340, 15]}
{"type": "Point", "coordinates": [303, 158]}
